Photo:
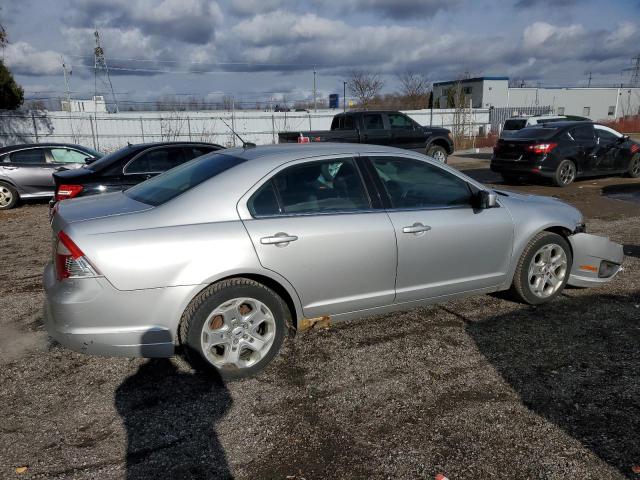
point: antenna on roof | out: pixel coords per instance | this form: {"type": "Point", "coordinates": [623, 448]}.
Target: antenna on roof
{"type": "Point", "coordinates": [244, 144]}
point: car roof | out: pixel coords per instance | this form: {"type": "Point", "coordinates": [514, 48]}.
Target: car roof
{"type": "Point", "coordinates": [11, 148]}
{"type": "Point", "coordinates": [563, 124]}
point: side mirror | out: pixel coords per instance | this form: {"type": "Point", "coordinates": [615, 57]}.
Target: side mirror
{"type": "Point", "coordinates": [487, 199]}
{"type": "Point", "coordinates": [89, 160]}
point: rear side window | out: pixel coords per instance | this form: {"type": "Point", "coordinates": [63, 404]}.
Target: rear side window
{"type": "Point", "coordinates": [373, 122]}
{"type": "Point", "coordinates": [343, 122]}
{"type": "Point", "coordinates": [30, 156]}
{"type": "Point", "coordinates": [316, 187]}
{"type": "Point", "coordinates": [176, 181]}
{"type": "Point", "coordinates": [415, 184]}
{"type": "Point", "coordinates": [583, 133]}
{"type": "Point", "coordinates": [156, 161]}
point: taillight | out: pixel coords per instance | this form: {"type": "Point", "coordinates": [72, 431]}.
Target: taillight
{"type": "Point", "coordinates": [70, 261]}
{"type": "Point", "coordinates": [542, 147]}
{"type": "Point", "coordinates": [67, 191]}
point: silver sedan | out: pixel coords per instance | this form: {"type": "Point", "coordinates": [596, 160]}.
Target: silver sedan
{"type": "Point", "coordinates": [228, 253]}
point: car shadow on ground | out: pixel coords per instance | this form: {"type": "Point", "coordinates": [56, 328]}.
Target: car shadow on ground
{"type": "Point", "coordinates": [629, 192]}
{"type": "Point", "coordinates": [476, 156]}
{"type": "Point", "coordinates": [575, 362]}
{"type": "Point", "coordinates": [170, 416]}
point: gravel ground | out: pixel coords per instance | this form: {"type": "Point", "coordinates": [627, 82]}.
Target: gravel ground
{"type": "Point", "coordinates": [477, 388]}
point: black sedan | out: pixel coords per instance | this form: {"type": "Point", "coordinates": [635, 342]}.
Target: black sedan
{"type": "Point", "coordinates": [127, 167]}
{"type": "Point", "coordinates": [564, 151]}
{"type": "Point", "coordinates": [26, 170]}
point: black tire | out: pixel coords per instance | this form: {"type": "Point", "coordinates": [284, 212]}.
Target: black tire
{"type": "Point", "coordinates": [634, 166]}
{"type": "Point", "coordinates": [438, 152]}
{"type": "Point", "coordinates": [8, 196]}
{"type": "Point", "coordinates": [521, 288]}
{"type": "Point", "coordinates": [565, 174]}
{"type": "Point", "coordinates": [210, 298]}
{"type": "Point", "coordinates": [511, 178]}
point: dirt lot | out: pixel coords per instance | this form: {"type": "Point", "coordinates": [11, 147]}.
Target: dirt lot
{"type": "Point", "coordinates": [477, 388]}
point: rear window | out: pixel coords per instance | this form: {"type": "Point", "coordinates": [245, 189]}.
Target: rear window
{"type": "Point", "coordinates": [109, 159]}
{"type": "Point", "coordinates": [514, 124]}
{"type": "Point", "coordinates": [535, 133]}
{"type": "Point", "coordinates": [176, 181]}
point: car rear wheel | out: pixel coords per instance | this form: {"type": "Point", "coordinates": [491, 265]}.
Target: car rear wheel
{"type": "Point", "coordinates": [543, 269]}
{"type": "Point", "coordinates": [8, 196]}
{"type": "Point", "coordinates": [565, 173]}
{"type": "Point", "coordinates": [438, 153]}
{"type": "Point", "coordinates": [234, 327]}
{"type": "Point", "coordinates": [634, 166]}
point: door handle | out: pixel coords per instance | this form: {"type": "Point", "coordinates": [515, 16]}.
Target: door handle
{"type": "Point", "coordinates": [6, 167]}
{"type": "Point", "coordinates": [280, 239]}
{"type": "Point", "coordinates": [416, 228]}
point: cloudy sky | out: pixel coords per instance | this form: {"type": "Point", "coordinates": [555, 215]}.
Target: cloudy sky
{"type": "Point", "coordinates": [256, 49]}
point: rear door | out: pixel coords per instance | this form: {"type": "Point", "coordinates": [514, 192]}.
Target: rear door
{"type": "Point", "coordinates": [152, 162]}
{"type": "Point", "coordinates": [445, 245]}
{"type": "Point", "coordinates": [29, 170]}
{"type": "Point", "coordinates": [313, 223]}
{"type": "Point", "coordinates": [405, 133]}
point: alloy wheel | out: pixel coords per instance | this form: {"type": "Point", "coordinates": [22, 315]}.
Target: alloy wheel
{"type": "Point", "coordinates": [547, 270]}
{"type": "Point", "coordinates": [5, 196]}
{"type": "Point", "coordinates": [635, 166]}
{"type": "Point", "coordinates": [440, 156]}
{"type": "Point", "coordinates": [238, 333]}
{"type": "Point", "coordinates": [567, 173]}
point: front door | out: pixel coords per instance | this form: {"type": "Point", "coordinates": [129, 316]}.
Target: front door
{"type": "Point", "coordinates": [445, 245]}
{"type": "Point", "coordinates": [610, 149]}
{"type": "Point", "coordinates": [313, 224]}
{"type": "Point", "coordinates": [405, 133]}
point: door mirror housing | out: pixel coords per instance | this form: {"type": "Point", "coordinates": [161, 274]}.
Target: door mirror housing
{"type": "Point", "coordinates": [487, 199]}
{"type": "Point", "coordinates": [89, 160]}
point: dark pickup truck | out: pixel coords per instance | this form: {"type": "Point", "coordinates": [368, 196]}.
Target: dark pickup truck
{"type": "Point", "coordinates": [389, 128]}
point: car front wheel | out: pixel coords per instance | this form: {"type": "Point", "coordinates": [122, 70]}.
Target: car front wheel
{"type": "Point", "coordinates": [543, 269]}
{"type": "Point", "coordinates": [235, 327]}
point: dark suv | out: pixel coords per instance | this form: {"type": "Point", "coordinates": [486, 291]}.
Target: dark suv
{"type": "Point", "coordinates": [127, 167]}
{"type": "Point", "coordinates": [563, 151]}
{"type": "Point", "coordinates": [26, 170]}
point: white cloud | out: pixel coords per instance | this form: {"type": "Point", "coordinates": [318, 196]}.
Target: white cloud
{"type": "Point", "coordinates": [22, 58]}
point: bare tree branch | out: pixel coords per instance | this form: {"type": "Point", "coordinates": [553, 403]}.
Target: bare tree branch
{"type": "Point", "coordinates": [415, 87]}
{"type": "Point", "coordinates": [364, 86]}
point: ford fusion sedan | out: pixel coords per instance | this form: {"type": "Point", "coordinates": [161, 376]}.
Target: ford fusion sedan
{"type": "Point", "coordinates": [127, 167]}
{"type": "Point", "coordinates": [564, 151]}
{"type": "Point", "coordinates": [224, 255]}
{"type": "Point", "coordinates": [26, 170]}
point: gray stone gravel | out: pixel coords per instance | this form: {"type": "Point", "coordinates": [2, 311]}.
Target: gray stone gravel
{"type": "Point", "coordinates": [477, 388]}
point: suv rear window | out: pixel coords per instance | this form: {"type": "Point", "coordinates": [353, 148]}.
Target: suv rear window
{"type": "Point", "coordinates": [514, 124]}
{"type": "Point", "coordinates": [535, 133]}
{"type": "Point", "coordinates": [176, 181]}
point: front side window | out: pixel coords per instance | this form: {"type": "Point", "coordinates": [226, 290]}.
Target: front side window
{"type": "Point", "coordinates": [415, 184]}
{"type": "Point", "coordinates": [30, 156]}
{"type": "Point", "coordinates": [606, 137]}
{"type": "Point", "coordinates": [400, 121]}
{"type": "Point", "coordinates": [64, 155]}
{"type": "Point", "coordinates": [156, 161]}
{"type": "Point", "coordinates": [316, 187]}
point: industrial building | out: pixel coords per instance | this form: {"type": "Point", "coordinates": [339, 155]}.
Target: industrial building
{"type": "Point", "coordinates": [596, 103]}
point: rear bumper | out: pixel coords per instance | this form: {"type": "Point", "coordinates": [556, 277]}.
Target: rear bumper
{"type": "Point", "coordinates": [521, 167]}
{"type": "Point", "coordinates": [589, 253]}
{"type": "Point", "coordinates": [90, 316]}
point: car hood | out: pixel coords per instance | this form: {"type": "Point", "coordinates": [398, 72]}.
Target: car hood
{"type": "Point", "coordinates": [562, 209]}
{"type": "Point", "coordinates": [96, 206]}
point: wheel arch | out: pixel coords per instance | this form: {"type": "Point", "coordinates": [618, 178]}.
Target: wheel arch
{"type": "Point", "coordinates": [440, 142]}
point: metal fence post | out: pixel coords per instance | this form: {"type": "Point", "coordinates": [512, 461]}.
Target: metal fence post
{"type": "Point", "coordinates": [35, 126]}
{"type": "Point", "coordinates": [142, 129]}
{"type": "Point", "coordinates": [189, 127]}
{"type": "Point", "coordinates": [93, 135]}
{"type": "Point", "coordinates": [273, 129]}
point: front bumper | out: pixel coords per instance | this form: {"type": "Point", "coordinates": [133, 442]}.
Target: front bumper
{"type": "Point", "coordinates": [589, 253]}
{"type": "Point", "coordinates": [88, 315]}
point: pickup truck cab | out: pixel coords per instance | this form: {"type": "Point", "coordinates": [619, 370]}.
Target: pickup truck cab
{"type": "Point", "coordinates": [389, 128]}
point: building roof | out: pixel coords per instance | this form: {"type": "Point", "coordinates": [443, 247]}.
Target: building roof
{"type": "Point", "coordinates": [468, 80]}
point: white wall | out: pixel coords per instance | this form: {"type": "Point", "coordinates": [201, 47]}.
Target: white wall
{"type": "Point", "coordinates": [107, 132]}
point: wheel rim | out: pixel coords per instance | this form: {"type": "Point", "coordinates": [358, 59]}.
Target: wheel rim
{"type": "Point", "coordinates": [5, 196]}
{"type": "Point", "coordinates": [238, 333]}
{"type": "Point", "coordinates": [567, 173]}
{"type": "Point", "coordinates": [547, 270]}
{"type": "Point", "coordinates": [635, 166]}
{"type": "Point", "coordinates": [439, 156]}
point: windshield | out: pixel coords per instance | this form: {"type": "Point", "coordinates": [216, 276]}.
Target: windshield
{"type": "Point", "coordinates": [92, 152]}
{"type": "Point", "coordinates": [535, 133]}
{"type": "Point", "coordinates": [515, 124]}
{"type": "Point", "coordinates": [176, 181]}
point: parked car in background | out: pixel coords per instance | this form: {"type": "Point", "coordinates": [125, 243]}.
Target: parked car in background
{"type": "Point", "coordinates": [127, 167]}
{"type": "Point", "coordinates": [564, 151]}
{"type": "Point", "coordinates": [227, 253]}
{"type": "Point", "coordinates": [514, 124]}
{"type": "Point", "coordinates": [26, 170]}
{"type": "Point", "coordinates": [388, 128]}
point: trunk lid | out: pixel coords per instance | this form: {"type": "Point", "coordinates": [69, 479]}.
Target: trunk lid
{"type": "Point", "coordinates": [512, 149]}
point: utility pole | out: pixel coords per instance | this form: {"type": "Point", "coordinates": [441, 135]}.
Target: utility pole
{"type": "Point", "coordinates": [315, 106]}
{"type": "Point", "coordinates": [344, 96]}
{"type": "Point", "coordinates": [66, 82]}
{"type": "Point", "coordinates": [100, 68]}
{"type": "Point", "coordinates": [589, 82]}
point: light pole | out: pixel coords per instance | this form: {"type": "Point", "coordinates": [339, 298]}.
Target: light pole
{"type": "Point", "coordinates": [344, 96]}
{"type": "Point", "coordinates": [315, 105]}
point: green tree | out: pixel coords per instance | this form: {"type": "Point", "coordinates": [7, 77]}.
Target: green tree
{"type": "Point", "coordinates": [11, 94]}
